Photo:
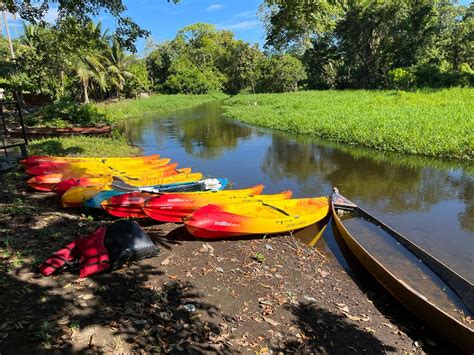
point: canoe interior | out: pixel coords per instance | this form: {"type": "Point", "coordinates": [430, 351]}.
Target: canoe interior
{"type": "Point", "coordinates": [403, 264]}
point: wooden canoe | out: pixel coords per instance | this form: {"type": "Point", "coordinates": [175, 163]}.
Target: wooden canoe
{"type": "Point", "coordinates": [38, 132]}
{"type": "Point", "coordinates": [428, 288]}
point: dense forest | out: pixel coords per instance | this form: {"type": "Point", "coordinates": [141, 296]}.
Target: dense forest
{"type": "Point", "coordinates": [401, 44]}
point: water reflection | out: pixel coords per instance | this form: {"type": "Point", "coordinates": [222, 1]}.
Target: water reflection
{"type": "Point", "coordinates": [431, 201]}
{"type": "Point", "coordinates": [394, 185]}
{"type": "Point", "coordinates": [201, 132]}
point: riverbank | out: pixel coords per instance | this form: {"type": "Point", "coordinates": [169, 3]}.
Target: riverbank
{"type": "Point", "coordinates": [116, 144]}
{"type": "Point", "coordinates": [250, 295]}
{"type": "Point", "coordinates": [155, 104]}
{"type": "Point", "coordinates": [432, 123]}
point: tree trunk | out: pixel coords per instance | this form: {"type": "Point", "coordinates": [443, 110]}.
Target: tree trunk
{"type": "Point", "coordinates": [86, 94]}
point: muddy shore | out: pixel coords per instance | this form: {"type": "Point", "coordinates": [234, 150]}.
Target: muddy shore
{"type": "Point", "coordinates": [253, 295]}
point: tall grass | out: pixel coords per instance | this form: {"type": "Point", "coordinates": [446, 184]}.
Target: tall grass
{"type": "Point", "coordinates": [433, 123]}
{"type": "Point", "coordinates": [155, 104]}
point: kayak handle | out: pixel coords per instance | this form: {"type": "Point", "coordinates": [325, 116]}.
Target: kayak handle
{"type": "Point", "coordinates": [275, 208]}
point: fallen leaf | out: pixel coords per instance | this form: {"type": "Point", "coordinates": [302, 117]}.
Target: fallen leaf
{"type": "Point", "coordinates": [356, 318]}
{"type": "Point", "coordinates": [87, 296]}
{"type": "Point", "coordinates": [271, 321]}
{"type": "Point", "coordinates": [166, 261]}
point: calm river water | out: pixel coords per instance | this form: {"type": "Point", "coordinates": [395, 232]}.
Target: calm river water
{"type": "Point", "coordinates": [430, 201]}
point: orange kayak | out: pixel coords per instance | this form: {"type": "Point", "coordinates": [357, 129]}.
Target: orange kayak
{"type": "Point", "coordinates": [260, 217]}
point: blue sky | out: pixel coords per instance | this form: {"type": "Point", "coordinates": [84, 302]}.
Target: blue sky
{"type": "Point", "coordinates": [164, 19]}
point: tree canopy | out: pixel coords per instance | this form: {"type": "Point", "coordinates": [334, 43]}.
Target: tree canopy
{"type": "Point", "coordinates": [358, 43]}
{"type": "Point", "coordinates": [203, 59]}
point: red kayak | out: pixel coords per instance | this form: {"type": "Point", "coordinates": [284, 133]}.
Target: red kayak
{"type": "Point", "coordinates": [127, 205]}
{"type": "Point", "coordinates": [39, 159]}
{"type": "Point", "coordinates": [49, 168]}
{"type": "Point", "coordinates": [174, 207]}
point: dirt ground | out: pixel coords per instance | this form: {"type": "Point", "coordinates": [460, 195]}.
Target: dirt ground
{"type": "Point", "coordinates": [252, 296]}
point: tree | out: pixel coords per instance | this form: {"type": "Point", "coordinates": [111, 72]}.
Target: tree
{"type": "Point", "coordinates": [88, 70]}
{"type": "Point", "coordinates": [292, 23]}
{"type": "Point", "coordinates": [355, 44]}
{"type": "Point", "coordinates": [139, 82]}
{"type": "Point", "coordinates": [186, 78]}
{"type": "Point", "coordinates": [116, 66]}
{"type": "Point", "coordinates": [281, 73]}
{"type": "Point", "coordinates": [127, 30]}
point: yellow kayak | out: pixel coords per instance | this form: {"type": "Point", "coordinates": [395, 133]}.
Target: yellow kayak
{"type": "Point", "coordinates": [75, 196]}
{"type": "Point", "coordinates": [264, 217]}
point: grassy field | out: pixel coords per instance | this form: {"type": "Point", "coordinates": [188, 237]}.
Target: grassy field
{"type": "Point", "coordinates": [155, 104]}
{"type": "Point", "coordinates": [433, 123]}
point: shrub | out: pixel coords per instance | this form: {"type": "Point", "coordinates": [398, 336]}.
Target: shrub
{"type": "Point", "coordinates": [186, 78]}
{"type": "Point", "coordinates": [66, 112]}
{"type": "Point", "coordinates": [280, 73]}
{"type": "Point", "coordinates": [401, 78]}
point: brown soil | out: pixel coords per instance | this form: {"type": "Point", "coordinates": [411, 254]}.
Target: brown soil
{"type": "Point", "coordinates": [253, 295]}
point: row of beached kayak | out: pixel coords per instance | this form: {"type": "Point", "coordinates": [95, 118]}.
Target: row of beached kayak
{"type": "Point", "coordinates": [151, 186]}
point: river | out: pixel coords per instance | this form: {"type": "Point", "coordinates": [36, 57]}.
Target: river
{"type": "Point", "coordinates": [430, 201]}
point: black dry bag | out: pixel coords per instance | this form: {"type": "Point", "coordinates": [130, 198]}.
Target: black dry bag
{"type": "Point", "coordinates": [126, 241]}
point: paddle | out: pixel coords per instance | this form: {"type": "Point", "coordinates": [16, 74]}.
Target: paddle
{"type": "Point", "coordinates": [207, 184]}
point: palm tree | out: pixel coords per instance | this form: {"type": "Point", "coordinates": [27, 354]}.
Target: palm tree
{"type": "Point", "coordinates": [30, 35]}
{"type": "Point", "coordinates": [90, 71]}
{"type": "Point", "coordinates": [116, 65]}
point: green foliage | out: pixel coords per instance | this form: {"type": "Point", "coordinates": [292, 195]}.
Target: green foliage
{"type": "Point", "coordinates": [186, 78]}
{"type": "Point", "coordinates": [358, 44]}
{"type": "Point", "coordinates": [202, 59]}
{"type": "Point", "coordinates": [66, 112]}
{"type": "Point", "coordinates": [401, 78]}
{"type": "Point", "coordinates": [433, 123]}
{"type": "Point", "coordinates": [139, 81]}
{"type": "Point", "coordinates": [280, 73]}
{"type": "Point", "coordinates": [72, 59]}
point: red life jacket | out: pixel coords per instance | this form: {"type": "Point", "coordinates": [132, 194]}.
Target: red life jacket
{"type": "Point", "coordinates": [94, 257]}
{"type": "Point", "coordinates": [58, 259]}
{"type": "Point", "coordinates": [89, 250]}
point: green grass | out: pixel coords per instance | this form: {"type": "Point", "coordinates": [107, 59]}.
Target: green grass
{"type": "Point", "coordinates": [82, 146]}
{"type": "Point", "coordinates": [155, 104]}
{"type": "Point", "coordinates": [432, 123]}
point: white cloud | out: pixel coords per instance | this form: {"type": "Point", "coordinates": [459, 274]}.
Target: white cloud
{"type": "Point", "coordinates": [215, 7]}
{"type": "Point", "coordinates": [244, 25]}
{"type": "Point", "coordinates": [247, 14]}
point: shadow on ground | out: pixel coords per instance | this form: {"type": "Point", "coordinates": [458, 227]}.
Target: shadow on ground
{"type": "Point", "coordinates": [51, 147]}
{"type": "Point", "coordinates": [324, 332]}
{"type": "Point", "coordinates": [132, 309]}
